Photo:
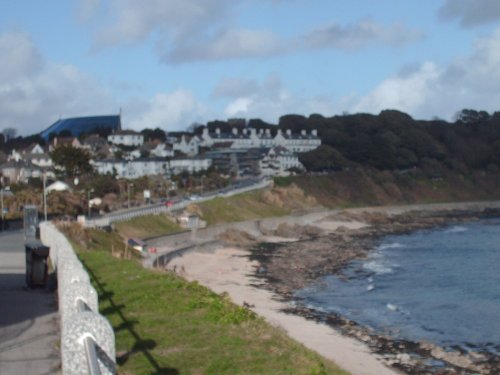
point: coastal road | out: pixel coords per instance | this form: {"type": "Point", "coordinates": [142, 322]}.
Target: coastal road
{"type": "Point", "coordinates": [29, 321]}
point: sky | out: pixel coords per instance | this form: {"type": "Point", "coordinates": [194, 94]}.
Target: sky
{"type": "Point", "coordinates": [170, 63]}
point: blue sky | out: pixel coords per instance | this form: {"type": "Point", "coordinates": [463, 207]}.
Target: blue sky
{"type": "Point", "coordinates": [168, 63]}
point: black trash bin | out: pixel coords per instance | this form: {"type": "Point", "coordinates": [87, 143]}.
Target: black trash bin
{"type": "Point", "coordinates": [36, 264]}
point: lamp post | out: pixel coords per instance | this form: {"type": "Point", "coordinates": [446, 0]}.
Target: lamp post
{"type": "Point", "coordinates": [88, 200]}
{"type": "Point", "coordinates": [3, 217]}
{"type": "Point", "coordinates": [44, 196]}
{"type": "Point", "coordinates": [128, 194]}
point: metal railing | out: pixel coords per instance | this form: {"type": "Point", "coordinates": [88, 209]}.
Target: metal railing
{"type": "Point", "coordinates": [90, 345]}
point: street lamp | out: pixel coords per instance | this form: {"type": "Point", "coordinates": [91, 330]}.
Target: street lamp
{"type": "Point", "coordinates": [44, 196]}
{"type": "Point", "coordinates": [128, 194]}
{"type": "Point", "coordinates": [88, 199]}
{"type": "Point", "coordinates": [3, 215]}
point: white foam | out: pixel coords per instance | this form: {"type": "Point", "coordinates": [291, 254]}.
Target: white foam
{"type": "Point", "coordinates": [370, 287]}
{"type": "Point", "coordinates": [392, 307]}
{"type": "Point", "coordinates": [394, 245]}
{"type": "Point", "coordinates": [377, 267]}
{"type": "Point", "coordinates": [456, 229]}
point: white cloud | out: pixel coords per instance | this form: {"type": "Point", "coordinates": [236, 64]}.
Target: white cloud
{"type": "Point", "coordinates": [269, 100]}
{"type": "Point", "coordinates": [34, 92]}
{"type": "Point", "coordinates": [227, 44]}
{"type": "Point", "coordinates": [208, 30]}
{"type": "Point", "coordinates": [471, 12]}
{"type": "Point", "coordinates": [234, 87]}
{"type": "Point", "coordinates": [243, 43]}
{"type": "Point", "coordinates": [87, 9]}
{"type": "Point", "coordinates": [238, 106]}
{"type": "Point", "coordinates": [481, 70]}
{"type": "Point", "coordinates": [429, 90]}
{"type": "Point", "coordinates": [362, 34]}
{"type": "Point", "coordinates": [168, 111]}
{"type": "Point", "coordinates": [18, 57]}
{"type": "Point", "coordinates": [133, 20]}
{"type": "Point", "coordinates": [404, 92]}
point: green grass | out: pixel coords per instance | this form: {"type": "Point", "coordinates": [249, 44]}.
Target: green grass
{"type": "Point", "coordinates": [241, 207]}
{"type": "Point", "coordinates": [166, 325]}
{"type": "Point", "coordinates": [147, 226]}
{"type": "Point", "coordinates": [283, 181]}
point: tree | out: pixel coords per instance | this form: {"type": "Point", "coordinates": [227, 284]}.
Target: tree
{"type": "Point", "coordinates": [324, 158]}
{"type": "Point", "coordinates": [471, 116]}
{"type": "Point", "coordinates": [9, 133]}
{"type": "Point", "coordinates": [154, 134]}
{"type": "Point", "coordinates": [71, 161]}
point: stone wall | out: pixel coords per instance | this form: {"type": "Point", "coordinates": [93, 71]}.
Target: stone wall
{"type": "Point", "coordinates": [78, 309]}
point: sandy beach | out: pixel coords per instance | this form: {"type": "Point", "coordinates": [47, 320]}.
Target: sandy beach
{"type": "Point", "coordinates": [228, 269]}
{"type": "Point", "coordinates": [336, 238]}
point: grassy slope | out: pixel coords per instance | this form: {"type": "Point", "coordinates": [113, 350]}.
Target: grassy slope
{"type": "Point", "coordinates": [246, 206]}
{"type": "Point", "coordinates": [147, 226]}
{"type": "Point", "coordinates": [368, 188]}
{"type": "Point", "coordinates": [165, 325]}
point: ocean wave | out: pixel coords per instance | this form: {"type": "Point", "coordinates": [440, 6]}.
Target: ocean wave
{"type": "Point", "coordinates": [456, 229]}
{"type": "Point", "coordinates": [370, 287]}
{"type": "Point", "coordinates": [393, 245]}
{"type": "Point", "coordinates": [392, 307]}
{"type": "Point", "coordinates": [377, 267]}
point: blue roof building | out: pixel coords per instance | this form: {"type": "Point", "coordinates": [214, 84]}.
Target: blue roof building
{"type": "Point", "coordinates": [79, 125]}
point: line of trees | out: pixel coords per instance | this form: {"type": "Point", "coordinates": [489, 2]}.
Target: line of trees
{"type": "Point", "coordinates": [392, 140]}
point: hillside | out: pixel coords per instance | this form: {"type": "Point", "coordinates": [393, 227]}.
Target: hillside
{"type": "Point", "coordinates": [369, 187]}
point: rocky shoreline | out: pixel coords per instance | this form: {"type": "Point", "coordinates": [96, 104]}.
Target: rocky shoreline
{"type": "Point", "coordinates": [286, 267]}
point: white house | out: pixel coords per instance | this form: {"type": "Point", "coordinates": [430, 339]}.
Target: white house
{"type": "Point", "coordinates": [149, 166]}
{"type": "Point", "coordinates": [22, 171]}
{"type": "Point", "coordinates": [190, 165]}
{"type": "Point", "coordinates": [34, 149]}
{"type": "Point", "coordinates": [126, 138]}
{"type": "Point", "coordinates": [58, 186]}
{"type": "Point", "coordinates": [251, 138]}
{"type": "Point", "coordinates": [278, 161]}
{"type": "Point", "coordinates": [32, 155]}
{"type": "Point", "coordinates": [188, 145]}
{"type": "Point", "coordinates": [162, 150]}
{"type": "Point", "coordinates": [40, 160]}
{"type": "Point", "coordinates": [132, 168]}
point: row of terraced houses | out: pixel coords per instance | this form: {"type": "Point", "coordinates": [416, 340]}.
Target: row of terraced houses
{"type": "Point", "coordinates": [125, 154]}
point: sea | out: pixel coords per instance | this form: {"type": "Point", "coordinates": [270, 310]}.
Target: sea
{"type": "Point", "coordinates": [437, 285]}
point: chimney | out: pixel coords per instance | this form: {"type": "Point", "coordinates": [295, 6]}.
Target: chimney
{"type": "Point", "coordinates": [288, 132]}
{"type": "Point", "coordinates": [235, 131]}
{"type": "Point", "coordinates": [268, 131]}
{"type": "Point", "coordinates": [314, 132]}
{"type": "Point", "coordinates": [217, 131]}
{"type": "Point", "coordinates": [303, 132]}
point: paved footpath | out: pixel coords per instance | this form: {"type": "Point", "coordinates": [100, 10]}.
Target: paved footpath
{"type": "Point", "coordinates": [29, 320]}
